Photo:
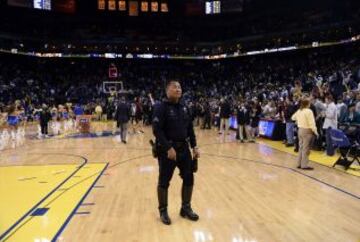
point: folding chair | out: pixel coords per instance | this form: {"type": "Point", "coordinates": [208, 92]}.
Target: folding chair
{"type": "Point", "coordinates": [341, 141]}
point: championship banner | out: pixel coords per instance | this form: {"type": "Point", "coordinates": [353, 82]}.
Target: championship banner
{"type": "Point", "coordinates": [154, 6]}
{"type": "Point", "coordinates": [144, 6]}
{"type": "Point", "coordinates": [101, 4]}
{"type": "Point", "coordinates": [122, 6]}
{"type": "Point", "coordinates": [112, 5]}
{"type": "Point", "coordinates": [164, 8]}
{"type": "Point", "coordinates": [133, 8]}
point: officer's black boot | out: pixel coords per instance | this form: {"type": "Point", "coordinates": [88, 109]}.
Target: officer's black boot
{"type": "Point", "coordinates": [186, 210]}
{"type": "Point", "coordinates": [163, 199]}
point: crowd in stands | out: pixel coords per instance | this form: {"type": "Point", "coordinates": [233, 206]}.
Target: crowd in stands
{"type": "Point", "coordinates": [251, 88]}
{"type": "Point", "coordinates": [272, 25]}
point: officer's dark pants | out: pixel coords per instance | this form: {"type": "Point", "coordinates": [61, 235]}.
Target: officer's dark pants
{"type": "Point", "coordinates": [44, 128]}
{"type": "Point", "coordinates": [207, 122]}
{"type": "Point", "coordinates": [166, 171]}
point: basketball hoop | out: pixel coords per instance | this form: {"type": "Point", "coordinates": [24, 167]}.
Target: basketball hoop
{"type": "Point", "coordinates": [113, 87]}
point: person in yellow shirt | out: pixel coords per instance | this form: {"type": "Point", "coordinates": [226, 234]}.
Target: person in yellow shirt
{"type": "Point", "coordinates": [305, 120]}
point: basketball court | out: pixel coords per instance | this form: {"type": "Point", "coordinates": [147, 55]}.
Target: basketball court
{"type": "Point", "coordinates": [93, 188]}
{"type": "Point", "coordinates": [80, 85]}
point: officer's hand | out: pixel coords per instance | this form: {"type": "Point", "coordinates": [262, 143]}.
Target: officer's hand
{"type": "Point", "coordinates": [196, 153]}
{"type": "Point", "coordinates": [171, 154]}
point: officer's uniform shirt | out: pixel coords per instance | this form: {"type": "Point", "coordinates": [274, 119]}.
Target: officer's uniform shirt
{"type": "Point", "coordinates": [172, 123]}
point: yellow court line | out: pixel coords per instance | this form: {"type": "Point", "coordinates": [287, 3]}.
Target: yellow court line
{"type": "Point", "coordinates": [316, 156]}
{"type": "Point", "coordinates": [21, 187]}
{"type": "Point", "coordinates": [60, 205]}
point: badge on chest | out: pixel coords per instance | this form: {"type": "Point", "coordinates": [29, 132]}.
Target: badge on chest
{"type": "Point", "coordinates": [172, 112]}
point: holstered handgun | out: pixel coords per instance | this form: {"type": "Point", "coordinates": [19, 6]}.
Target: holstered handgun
{"type": "Point", "coordinates": [194, 165]}
{"type": "Point", "coordinates": [153, 148]}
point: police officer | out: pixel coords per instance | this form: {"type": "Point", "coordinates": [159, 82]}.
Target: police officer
{"type": "Point", "coordinates": [173, 129]}
{"type": "Point", "coordinates": [45, 117]}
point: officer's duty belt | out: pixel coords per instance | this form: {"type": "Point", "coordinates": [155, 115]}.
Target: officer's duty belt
{"type": "Point", "coordinates": [179, 144]}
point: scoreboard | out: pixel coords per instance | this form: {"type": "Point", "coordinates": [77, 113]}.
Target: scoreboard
{"type": "Point", "coordinates": [212, 7]}
{"type": "Point", "coordinates": [42, 4]}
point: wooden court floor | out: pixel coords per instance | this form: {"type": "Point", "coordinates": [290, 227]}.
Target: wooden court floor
{"type": "Point", "coordinates": [97, 189]}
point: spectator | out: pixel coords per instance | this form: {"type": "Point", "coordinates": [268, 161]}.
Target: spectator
{"type": "Point", "coordinates": [225, 112]}
{"type": "Point", "coordinates": [243, 120]}
{"type": "Point", "coordinates": [352, 116]}
{"type": "Point", "coordinates": [290, 109]}
{"type": "Point", "coordinates": [341, 110]}
{"type": "Point", "coordinates": [122, 117]}
{"type": "Point", "coordinates": [305, 120]}
{"type": "Point", "coordinates": [330, 122]}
